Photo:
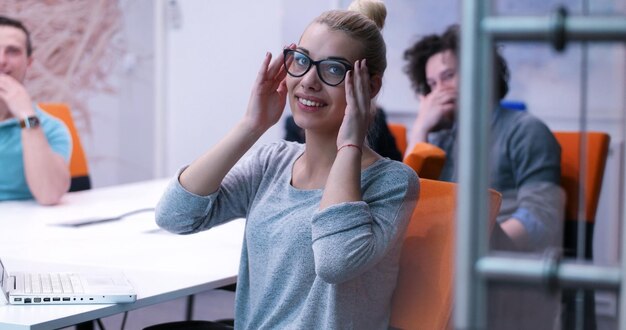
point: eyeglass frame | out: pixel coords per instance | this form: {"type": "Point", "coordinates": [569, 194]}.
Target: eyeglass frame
{"type": "Point", "coordinates": [312, 63]}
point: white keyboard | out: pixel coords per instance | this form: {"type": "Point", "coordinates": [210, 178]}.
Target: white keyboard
{"type": "Point", "coordinates": [52, 283]}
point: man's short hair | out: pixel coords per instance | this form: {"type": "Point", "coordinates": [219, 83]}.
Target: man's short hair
{"type": "Point", "coordinates": [418, 55]}
{"type": "Point", "coordinates": [6, 21]}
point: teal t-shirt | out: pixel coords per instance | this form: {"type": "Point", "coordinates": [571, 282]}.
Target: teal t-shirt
{"type": "Point", "coordinates": [12, 179]}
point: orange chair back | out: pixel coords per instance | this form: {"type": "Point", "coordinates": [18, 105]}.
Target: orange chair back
{"type": "Point", "coordinates": [423, 297]}
{"type": "Point", "coordinates": [78, 161]}
{"type": "Point", "coordinates": [399, 134]}
{"type": "Point", "coordinates": [426, 160]}
{"type": "Point", "coordinates": [596, 154]}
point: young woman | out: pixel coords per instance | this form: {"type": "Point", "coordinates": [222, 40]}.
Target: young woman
{"type": "Point", "coordinates": [324, 220]}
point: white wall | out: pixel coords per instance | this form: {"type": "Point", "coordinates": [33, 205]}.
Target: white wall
{"type": "Point", "coordinates": [213, 56]}
{"type": "Point", "coordinates": [119, 148]}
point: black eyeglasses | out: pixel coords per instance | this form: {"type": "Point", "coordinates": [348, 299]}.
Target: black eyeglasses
{"type": "Point", "coordinates": [331, 72]}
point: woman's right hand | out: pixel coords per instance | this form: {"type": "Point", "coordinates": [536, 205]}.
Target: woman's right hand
{"type": "Point", "coordinates": [269, 94]}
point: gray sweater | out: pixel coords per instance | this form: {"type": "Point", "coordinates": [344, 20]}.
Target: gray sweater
{"type": "Point", "coordinates": [302, 268]}
{"type": "Point", "coordinates": [525, 166]}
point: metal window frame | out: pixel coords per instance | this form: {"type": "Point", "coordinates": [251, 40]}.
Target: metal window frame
{"type": "Point", "coordinates": [479, 30]}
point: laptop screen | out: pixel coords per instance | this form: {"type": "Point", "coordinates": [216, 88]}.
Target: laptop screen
{"type": "Point", "coordinates": [3, 280]}
{"type": "Point", "coordinates": [2, 273]}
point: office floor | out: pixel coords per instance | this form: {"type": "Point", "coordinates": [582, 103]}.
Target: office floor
{"type": "Point", "coordinates": [212, 305]}
{"type": "Point", "coordinates": [606, 323]}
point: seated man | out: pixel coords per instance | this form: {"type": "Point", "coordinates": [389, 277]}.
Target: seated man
{"type": "Point", "coordinates": [379, 137]}
{"type": "Point", "coordinates": [525, 157]}
{"type": "Point", "coordinates": [34, 147]}
{"type": "Point", "coordinates": [525, 166]}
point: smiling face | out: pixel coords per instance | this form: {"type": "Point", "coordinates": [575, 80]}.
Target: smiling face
{"type": "Point", "coordinates": [14, 59]}
{"type": "Point", "coordinates": [317, 106]}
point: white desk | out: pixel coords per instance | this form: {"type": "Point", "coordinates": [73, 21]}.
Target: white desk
{"type": "Point", "coordinates": [161, 266]}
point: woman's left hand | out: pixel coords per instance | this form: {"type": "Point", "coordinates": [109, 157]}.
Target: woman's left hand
{"type": "Point", "coordinates": [359, 110]}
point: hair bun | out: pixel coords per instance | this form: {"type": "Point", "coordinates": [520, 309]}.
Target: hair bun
{"type": "Point", "coordinates": [373, 9]}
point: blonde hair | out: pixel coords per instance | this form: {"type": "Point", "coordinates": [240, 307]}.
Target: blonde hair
{"type": "Point", "coordinates": [373, 9]}
{"type": "Point", "coordinates": [362, 21]}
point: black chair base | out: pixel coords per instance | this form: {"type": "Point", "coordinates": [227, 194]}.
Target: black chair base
{"type": "Point", "coordinates": [570, 238]}
{"type": "Point", "coordinates": [569, 317]}
{"type": "Point", "coordinates": [85, 326]}
{"type": "Point", "coordinates": [190, 325]}
{"type": "Point", "coordinates": [80, 183]}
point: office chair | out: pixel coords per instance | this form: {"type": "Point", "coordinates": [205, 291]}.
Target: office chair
{"type": "Point", "coordinates": [595, 160]}
{"type": "Point", "coordinates": [399, 134]}
{"type": "Point", "coordinates": [572, 181]}
{"type": "Point", "coordinates": [423, 297]}
{"type": "Point", "coordinates": [79, 170]}
{"type": "Point", "coordinates": [426, 160]}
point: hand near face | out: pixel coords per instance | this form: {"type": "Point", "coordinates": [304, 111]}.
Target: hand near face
{"type": "Point", "coordinates": [359, 110]}
{"type": "Point", "coordinates": [436, 110]}
{"type": "Point", "coordinates": [15, 96]}
{"type": "Point", "coordinates": [269, 93]}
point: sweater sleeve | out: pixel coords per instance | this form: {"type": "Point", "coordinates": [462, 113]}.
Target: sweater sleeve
{"type": "Point", "coordinates": [350, 238]}
{"type": "Point", "coordinates": [182, 212]}
{"type": "Point", "coordinates": [536, 159]}
{"type": "Point", "coordinates": [541, 210]}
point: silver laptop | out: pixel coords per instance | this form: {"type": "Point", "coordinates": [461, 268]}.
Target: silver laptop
{"type": "Point", "coordinates": [65, 288]}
